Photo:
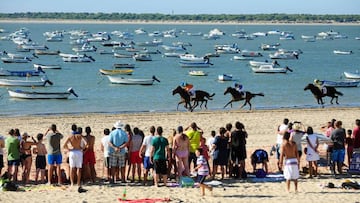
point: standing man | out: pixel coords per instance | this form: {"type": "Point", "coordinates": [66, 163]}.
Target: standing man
{"type": "Point", "coordinates": [77, 145]}
{"type": "Point", "coordinates": [338, 154]}
{"type": "Point", "coordinates": [118, 141]}
{"type": "Point", "coordinates": [291, 168]}
{"type": "Point", "coordinates": [160, 150]}
{"type": "Point", "coordinates": [145, 153]}
{"type": "Point", "coordinates": [54, 152]}
{"type": "Point", "coordinates": [356, 135]}
{"type": "Point", "coordinates": [194, 136]}
{"type": "Point", "coordinates": [12, 145]}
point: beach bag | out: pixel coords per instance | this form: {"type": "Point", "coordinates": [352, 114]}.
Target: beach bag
{"type": "Point", "coordinates": [9, 186]}
{"type": "Point", "coordinates": [348, 184]}
{"type": "Point", "coordinates": [186, 181]}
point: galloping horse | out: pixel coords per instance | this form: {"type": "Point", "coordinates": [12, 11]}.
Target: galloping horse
{"type": "Point", "coordinates": [200, 96]}
{"type": "Point", "coordinates": [236, 96]}
{"type": "Point", "coordinates": [330, 92]}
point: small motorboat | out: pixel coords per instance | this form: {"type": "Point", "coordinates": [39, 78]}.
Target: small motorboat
{"type": "Point", "coordinates": [192, 58]}
{"type": "Point", "coordinates": [225, 77]}
{"type": "Point", "coordinates": [15, 60]}
{"type": "Point", "coordinates": [46, 52]}
{"type": "Point", "coordinates": [259, 63]}
{"type": "Point", "coordinates": [197, 73]}
{"type": "Point", "coordinates": [123, 55]}
{"type": "Point", "coordinates": [142, 57]}
{"type": "Point", "coordinates": [243, 58]}
{"type": "Point", "coordinates": [23, 94]}
{"type": "Point", "coordinates": [116, 71]}
{"type": "Point", "coordinates": [25, 83]}
{"type": "Point", "coordinates": [78, 58]}
{"type": "Point", "coordinates": [270, 69]}
{"type": "Point", "coordinates": [46, 66]}
{"type": "Point", "coordinates": [339, 52]}
{"type": "Point", "coordinates": [124, 65]}
{"type": "Point", "coordinates": [22, 73]}
{"type": "Point", "coordinates": [131, 81]}
{"type": "Point", "coordinates": [352, 75]}
{"type": "Point", "coordinates": [345, 83]}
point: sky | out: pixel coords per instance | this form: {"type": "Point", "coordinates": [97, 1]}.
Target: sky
{"type": "Point", "coordinates": [185, 6]}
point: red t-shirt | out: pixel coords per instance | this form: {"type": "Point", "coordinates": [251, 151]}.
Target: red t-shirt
{"type": "Point", "coordinates": [356, 136]}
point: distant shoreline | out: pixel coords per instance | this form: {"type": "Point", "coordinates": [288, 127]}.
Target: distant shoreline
{"type": "Point", "coordinates": [185, 22]}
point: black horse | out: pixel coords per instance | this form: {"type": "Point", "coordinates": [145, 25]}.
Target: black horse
{"type": "Point", "coordinates": [236, 96]}
{"type": "Point", "coordinates": [330, 92]}
{"type": "Point", "coordinates": [200, 96]}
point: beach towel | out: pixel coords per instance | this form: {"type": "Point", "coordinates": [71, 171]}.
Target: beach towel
{"type": "Point", "coordinates": [268, 178]}
{"type": "Point", "coordinates": [145, 200]}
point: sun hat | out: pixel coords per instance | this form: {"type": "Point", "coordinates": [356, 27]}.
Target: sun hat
{"type": "Point", "coordinates": [296, 126]}
{"type": "Point", "coordinates": [118, 124]}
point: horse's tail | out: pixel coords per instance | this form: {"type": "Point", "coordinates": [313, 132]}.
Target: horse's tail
{"type": "Point", "coordinates": [209, 96]}
{"type": "Point", "coordinates": [339, 93]}
{"type": "Point", "coordinates": [259, 94]}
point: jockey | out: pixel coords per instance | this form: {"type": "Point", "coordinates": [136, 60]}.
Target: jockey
{"type": "Point", "coordinates": [189, 88]}
{"type": "Point", "coordinates": [239, 88]}
{"type": "Point", "coordinates": [320, 85]}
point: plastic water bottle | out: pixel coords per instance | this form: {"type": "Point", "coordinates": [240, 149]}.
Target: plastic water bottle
{"type": "Point", "coordinates": [124, 194]}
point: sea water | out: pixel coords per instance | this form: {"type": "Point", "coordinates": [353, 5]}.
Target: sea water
{"type": "Point", "coordinates": [97, 94]}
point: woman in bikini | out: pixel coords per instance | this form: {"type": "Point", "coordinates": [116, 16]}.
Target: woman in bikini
{"type": "Point", "coordinates": [180, 147]}
{"type": "Point", "coordinates": [25, 157]}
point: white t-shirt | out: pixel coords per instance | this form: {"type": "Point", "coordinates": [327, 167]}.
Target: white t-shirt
{"type": "Point", "coordinates": [147, 142]}
{"type": "Point", "coordinates": [279, 139]}
{"type": "Point", "coordinates": [209, 143]}
{"type": "Point", "coordinates": [105, 142]}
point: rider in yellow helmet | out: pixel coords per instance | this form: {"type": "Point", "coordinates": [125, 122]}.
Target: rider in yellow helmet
{"type": "Point", "coordinates": [320, 85]}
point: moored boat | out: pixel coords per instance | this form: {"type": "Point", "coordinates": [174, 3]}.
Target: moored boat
{"type": "Point", "coordinates": [25, 83]}
{"type": "Point", "coordinates": [344, 83]}
{"type": "Point", "coordinates": [132, 81]}
{"type": "Point", "coordinates": [339, 52]}
{"type": "Point", "coordinates": [352, 75]}
{"type": "Point", "coordinates": [124, 65]}
{"type": "Point", "coordinates": [197, 73]}
{"type": "Point", "coordinates": [270, 69]}
{"type": "Point", "coordinates": [46, 66]}
{"type": "Point", "coordinates": [22, 73]}
{"type": "Point", "coordinates": [142, 57]}
{"type": "Point", "coordinates": [23, 94]}
{"type": "Point", "coordinates": [225, 77]}
{"type": "Point", "coordinates": [190, 64]}
{"type": "Point", "coordinates": [116, 71]}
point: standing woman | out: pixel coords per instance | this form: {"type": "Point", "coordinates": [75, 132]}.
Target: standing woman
{"type": "Point", "coordinates": [130, 134]}
{"type": "Point", "coordinates": [312, 153]}
{"type": "Point", "coordinates": [26, 156]}
{"type": "Point", "coordinates": [220, 152]}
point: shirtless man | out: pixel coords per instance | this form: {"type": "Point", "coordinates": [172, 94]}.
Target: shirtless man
{"type": "Point", "coordinates": [291, 168]}
{"type": "Point", "coordinates": [75, 144]}
{"type": "Point", "coordinates": [181, 152]}
{"type": "Point", "coordinates": [89, 156]}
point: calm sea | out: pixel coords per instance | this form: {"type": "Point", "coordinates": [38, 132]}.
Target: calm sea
{"type": "Point", "coordinates": [96, 94]}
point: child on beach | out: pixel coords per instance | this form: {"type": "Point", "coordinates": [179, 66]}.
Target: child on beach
{"type": "Point", "coordinates": [349, 141]}
{"type": "Point", "coordinates": [202, 169]}
{"type": "Point", "coordinates": [40, 151]}
{"type": "Point", "coordinates": [291, 167]}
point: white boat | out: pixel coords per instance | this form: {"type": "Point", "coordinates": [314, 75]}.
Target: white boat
{"type": "Point", "coordinates": [22, 94]}
{"type": "Point", "coordinates": [345, 83]}
{"type": "Point", "coordinates": [270, 47]}
{"type": "Point", "coordinates": [283, 55]}
{"type": "Point", "coordinates": [46, 52]}
{"type": "Point", "coordinates": [116, 71]}
{"type": "Point", "coordinates": [124, 65]}
{"type": "Point", "coordinates": [15, 60]}
{"type": "Point", "coordinates": [192, 58]}
{"type": "Point", "coordinates": [270, 69]}
{"type": "Point", "coordinates": [339, 52]}
{"type": "Point", "coordinates": [227, 49]}
{"type": "Point", "coordinates": [243, 58]}
{"type": "Point", "coordinates": [197, 73]}
{"type": "Point", "coordinates": [259, 63]}
{"type": "Point", "coordinates": [191, 64]}
{"type": "Point", "coordinates": [225, 77]}
{"type": "Point", "coordinates": [132, 81]}
{"type": "Point", "coordinates": [85, 48]}
{"type": "Point", "coordinates": [78, 58]}
{"type": "Point", "coordinates": [352, 75]}
{"type": "Point", "coordinates": [33, 46]}
{"type": "Point", "coordinates": [142, 57]}
{"type": "Point", "coordinates": [123, 55]}
{"type": "Point", "coordinates": [46, 66]}
{"type": "Point", "coordinates": [173, 48]}
{"type": "Point", "coordinates": [250, 53]}
{"type": "Point", "coordinates": [25, 83]}
{"type": "Point", "coordinates": [21, 73]}
{"type": "Point", "coordinates": [172, 54]}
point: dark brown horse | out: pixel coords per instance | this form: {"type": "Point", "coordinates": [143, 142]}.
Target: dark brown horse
{"type": "Point", "coordinates": [200, 96]}
{"type": "Point", "coordinates": [236, 96]}
{"type": "Point", "coordinates": [330, 92]}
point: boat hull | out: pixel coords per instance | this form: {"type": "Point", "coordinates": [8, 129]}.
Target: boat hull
{"type": "Point", "coordinates": [38, 95]}
{"type": "Point", "coordinates": [352, 75]}
{"type": "Point", "coordinates": [353, 83]}
{"type": "Point", "coordinates": [130, 81]}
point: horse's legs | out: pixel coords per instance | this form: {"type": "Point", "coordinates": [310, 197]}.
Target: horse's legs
{"type": "Point", "coordinates": [337, 102]}
{"type": "Point", "coordinates": [331, 101]}
{"type": "Point", "coordinates": [205, 103]}
{"type": "Point", "coordinates": [230, 102]}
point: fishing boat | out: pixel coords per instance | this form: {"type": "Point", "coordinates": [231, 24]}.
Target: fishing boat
{"type": "Point", "coordinates": [116, 71]}
{"type": "Point", "coordinates": [270, 69]}
{"type": "Point", "coordinates": [25, 83]}
{"type": "Point", "coordinates": [243, 58]}
{"type": "Point", "coordinates": [15, 60]}
{"type": "Point", "coordinates": [46, 52]}
{"type": "Point", "coordinates": [352, 75]}
{"type": "Point", "coordinates": [142, 57]}
{"type": "Point", "coordinates": [23, 94]}
{"type": "Point", "coordinates": [283, 55]}
{"type": "Point", "coordinates": [192, 58]}
{"type": "Point", "coordinates": [46, 66]}
{"type": "Point", "coordinates": [131, 81]}
{"type": "Point", "coordinates": [190, 64]}
{"type": "Point", "coordinates": [123, 55]}
{"type": "Point", "coordinates": [124, 65]}
{"type": "Point", "coordinates": [78, 58]}
{"type": "Point", "coordinates": [339, 52]}
{"type": "Point", "coordinates": [22, 73]}
{"type": "Point", "coordinates": [225, 77]}
{"type": "Point", "coordinates": [197, 73]}
{"type": "Point", "coordinates": [345, 83]}
{"type": "Point", "coordinates": [259, 63]}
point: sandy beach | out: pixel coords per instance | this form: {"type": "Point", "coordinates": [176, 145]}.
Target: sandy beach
{"type": "Point", "coordinates": [261, 126]}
